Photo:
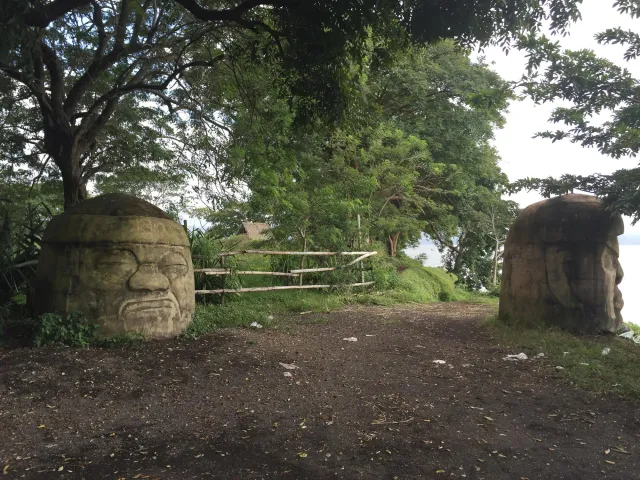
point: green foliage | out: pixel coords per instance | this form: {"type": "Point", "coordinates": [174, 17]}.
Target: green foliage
{"type": "Point", "coordinates": [584, 365]}
{"type": "Point", "coordinates": [592, 89]}
{"type": "Point", "coordinates": [153, 183]}
{"type": "Point", "coordinates": [72, 330]}
{"type": "Point", "coordinates": [494, 290]}
{"type": "Point", "coordinates": [100, 88]}
{"type": "Point", "coordinates": [24, 213]}
{"type": "Point", "coordinates": [412, 155]}
{"type": "Point", "coordinates": [18, 329]}
{"type": "Point", "coordinates": [634, 327]}
{"type": "Point", "coordinates": [618, 191]}
{"type": "Point", "coordinates": [403, 281]}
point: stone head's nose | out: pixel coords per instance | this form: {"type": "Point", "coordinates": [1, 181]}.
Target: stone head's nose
{"type": "Point", "coordinates": [148, 278]}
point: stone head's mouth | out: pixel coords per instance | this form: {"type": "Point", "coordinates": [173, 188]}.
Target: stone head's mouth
{"type": "Point", "coordinates": [133, 307]}
{"type": "Point", "coordinates": [149, 314]}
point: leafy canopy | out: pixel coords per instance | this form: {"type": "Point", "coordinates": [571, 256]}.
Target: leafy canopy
{"type": "Point", "coordinates": [603, 110]}
{"type": "Point", "coordinates": [95, 86]}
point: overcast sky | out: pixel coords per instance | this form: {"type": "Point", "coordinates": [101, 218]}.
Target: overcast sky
{"type": "Point", "coordinates": [524, 156]}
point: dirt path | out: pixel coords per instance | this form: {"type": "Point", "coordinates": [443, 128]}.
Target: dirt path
{"type": "Point", "coordinates": [221, 406]}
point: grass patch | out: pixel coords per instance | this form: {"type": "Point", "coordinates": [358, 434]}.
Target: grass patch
{"type": "Point", "coordinates": [581, 357]}
{"type": "Point", "coordinates": [633, 327]}
{"type": "Point", "coordinates": [413, 285]}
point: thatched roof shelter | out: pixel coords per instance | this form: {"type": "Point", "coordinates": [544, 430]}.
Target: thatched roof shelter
{"type": "Point", "coordinates": [254, 230]}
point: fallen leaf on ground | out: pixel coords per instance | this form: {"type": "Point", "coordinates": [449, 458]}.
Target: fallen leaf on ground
{"type": "Point", "coordinates": [288, 366]}
{"type": "Point", "coordinates": [516, 357]}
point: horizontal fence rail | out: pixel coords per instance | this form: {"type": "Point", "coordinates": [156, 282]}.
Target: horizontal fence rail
{"type": "Point", "coordinates": [283, 287]}
{"type": "Point", "coordinates": [296, 273]}
{"type": "Point", "coordinates": [278, 252]}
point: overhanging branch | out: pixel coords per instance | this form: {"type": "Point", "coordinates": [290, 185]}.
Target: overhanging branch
{"type": "Point", "coordinates": [42, 15]}
{"type": "Point", "coordinates": [230, 15]}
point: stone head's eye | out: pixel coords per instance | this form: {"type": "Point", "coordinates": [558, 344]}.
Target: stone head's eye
{"type": "Point", "coordinates": [114, 266]}
{"type": "Point", "coordinates": [173, 265]}
{"type": "Point", "coordinates": [116, 257]}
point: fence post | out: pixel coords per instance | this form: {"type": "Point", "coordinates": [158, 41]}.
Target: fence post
{"type": "Point", "coordinates": [304, 249]}
{"type": "Point", "coordinates": [224, 277]}
{"type": "Point", "coordinates": [186, 229]}
{"type": "Point", "coordinates": [360, 248]}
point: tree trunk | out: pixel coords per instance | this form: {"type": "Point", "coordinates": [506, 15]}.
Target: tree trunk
{"type": "Point", "coordinates": [457, 260]}
{"type": "Point", "coordinates": [64, 150]}
{"type": "Point", "coordinates": [495, 263]}
{"type": "Point", "coordinates": [75, 188]}
{"type": "Point", "coordinates": [393, 244]}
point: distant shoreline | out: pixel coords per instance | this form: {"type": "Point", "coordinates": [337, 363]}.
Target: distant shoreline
{"type": "Point", "coordinates": [629, 239]}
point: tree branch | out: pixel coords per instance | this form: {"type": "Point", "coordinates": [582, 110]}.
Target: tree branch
{"type": "Point", "coordinates": [230, 15]}
{"type": "Point", "coordinates": [121, 28]}
{"type": "Point", "coordinates": [100, 121]}
{"type": "Point", "coordinates": [42, 15]}
{"type": "Point", "coordinates": [441, 240]}
{"type": "Point", "coordinates": [20, 77]}
{"type": "Point", "coordinates": [39, 176]}
{"type": "Point", "coordinates": [54, 67]}
{"type": "Point", "coordinates": [102, 35]}
{"type": "Point", "coordinates": [97, 67]}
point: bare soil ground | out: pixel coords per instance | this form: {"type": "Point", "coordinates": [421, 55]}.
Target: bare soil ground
{"type": "Point", "coordinates": [221, 406]}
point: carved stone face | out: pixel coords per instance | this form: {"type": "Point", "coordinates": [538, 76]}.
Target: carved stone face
{"type": "Point", "coordinates": [127, 273]}
{"type": "Point", "coordinates": [587, 275]}
{"type": "Point", "coordinates": [561, 266]}
{"type": "Point", "coordinates": [142, 288]}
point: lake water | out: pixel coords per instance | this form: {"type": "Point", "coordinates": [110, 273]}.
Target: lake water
{"type": "Point", "coordinates": [630, 286]}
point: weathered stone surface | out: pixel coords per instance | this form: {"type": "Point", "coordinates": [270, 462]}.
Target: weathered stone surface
{"type": "Point", "coordinates": [121, 261]}
{"type": "Point", "coordinates": [561, 266]}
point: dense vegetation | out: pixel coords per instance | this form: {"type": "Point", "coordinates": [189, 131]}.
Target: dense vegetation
{"type": "Point", "coordinates": [411, 156]}
{"type": "Point", "coordinates": [397, 280]}
{"type": "Point", "coordinates": [343, 124]}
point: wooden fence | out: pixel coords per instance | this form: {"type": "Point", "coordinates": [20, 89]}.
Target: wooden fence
{"type": "Point", "coordinates": [297, 273]}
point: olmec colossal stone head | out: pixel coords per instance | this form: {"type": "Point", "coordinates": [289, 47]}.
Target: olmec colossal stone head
{"type": "Point", "coordinates": [561, 266]}
{"type": "Point", "coordinates": [121, 261]}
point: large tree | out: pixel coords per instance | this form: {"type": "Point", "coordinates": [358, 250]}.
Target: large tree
{"type": "Point", "coordinates": [411, 155]}
{"type": "Point", "coordinates": [97, 85]}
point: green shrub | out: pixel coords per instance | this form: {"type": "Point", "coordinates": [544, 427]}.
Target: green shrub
{"type": "Point", "coordinates": [494, 290]}
{"type": "Point", "coordinates": [384, 272]}
{"type": "Point", "coordinates": [72, 330]}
